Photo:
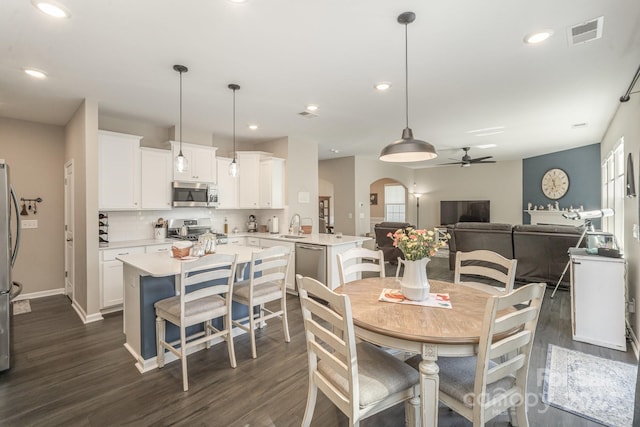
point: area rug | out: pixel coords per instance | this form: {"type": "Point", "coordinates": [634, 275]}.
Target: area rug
{"type": "Point", "coordinates": [591, 387]}
{"type": "Point", "coordinates": [22, 306]}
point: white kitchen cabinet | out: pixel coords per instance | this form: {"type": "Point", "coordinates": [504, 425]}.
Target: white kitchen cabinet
{"type": "Point", "coordinates": [598, 299]}
{"type": "Point", "coordinates": [164, 247]}
{"type": "Point", "coordinates": [253, 241]}
{"type": "Point", "coordinates": [248, 179]}
{"type": "Point", "coordinates": [272, 174]}
{"type": "Point", "coordinates": [236, 240]}
{"type": "Point", "coordinates": [156, 175]}
{"type": "Point", "coordinates": [111, 282]}
{"type": "Point", "coordinates": [118, 171]}
{"type": "Point", "coordinates": [202, 162]}
{"type": "Point", "coordinates": [227, 185]}
{"type": "Point", "coordinates": [291, 271]}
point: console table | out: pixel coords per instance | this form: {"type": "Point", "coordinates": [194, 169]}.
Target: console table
{"type": "Point", "coordinates": [552, 217]}
{"type": "Point", "coordinates": [598, 299]}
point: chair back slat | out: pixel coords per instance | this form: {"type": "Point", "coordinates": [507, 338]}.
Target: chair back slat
{"type": "Point", "coordinates": [510, 344]}
{"type": "Point", "coordinates": [513, 320]}
{"type": "Point", "coordinates": [501, 370]}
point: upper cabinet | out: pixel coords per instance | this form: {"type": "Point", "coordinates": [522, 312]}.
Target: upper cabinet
{"type": "Point", "coordinates": [259, 184]}
{"type": "Point", "coordinates": [202, 162]}
{"type": "Point", "coordinates": [248, 179]}
{"type": "Point", "coordinates": [118, 171]}
{"type": "Point", "coordinates": [272, 183]}
{"type": "Point", "coordinates": [227, 185]}
{"type": "Point", "coordinates": [156, 176]}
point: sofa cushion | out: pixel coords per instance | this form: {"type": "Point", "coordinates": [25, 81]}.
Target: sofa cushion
{"type": "Point", "coordinates": [542, 251]}
{"type": "Point", "coordinates": [496, 237]}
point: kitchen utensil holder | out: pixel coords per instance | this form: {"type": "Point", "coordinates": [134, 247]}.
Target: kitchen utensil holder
{"type": "Point", "coordinates": [306, 224]}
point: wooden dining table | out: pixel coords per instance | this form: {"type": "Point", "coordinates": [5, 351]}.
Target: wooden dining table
{"type": "Point", "coordinates": [428, 331]}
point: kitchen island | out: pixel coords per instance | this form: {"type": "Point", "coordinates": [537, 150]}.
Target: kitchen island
{"type": "Point", "coordinates": [149, 278]}
{"type": "Point", "coordinates": [322, 266]}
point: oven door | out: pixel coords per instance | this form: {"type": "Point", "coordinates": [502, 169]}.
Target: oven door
{"type": "Point", "coordinates": [190, 194]}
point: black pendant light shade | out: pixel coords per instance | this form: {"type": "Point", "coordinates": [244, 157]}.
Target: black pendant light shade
{"type": "Point", "coordinates": [233, 167]}
{"type": "Point", "coordinates": [407, 149]}
{"type": "Point", "coordinates": [181, 162]}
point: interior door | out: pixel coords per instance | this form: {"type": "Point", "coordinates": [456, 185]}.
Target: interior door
{"type": "Point", "coordinates": [68, 229]}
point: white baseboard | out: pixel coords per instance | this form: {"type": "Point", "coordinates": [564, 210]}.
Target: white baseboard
{"type": "Point", "coordinates": [41, 294]}
{"type": "Point", "coordinates": [83, 316]}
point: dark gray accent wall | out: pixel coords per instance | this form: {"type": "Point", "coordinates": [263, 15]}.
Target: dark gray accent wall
{"type": "Point", "coordinates": [582, 165]}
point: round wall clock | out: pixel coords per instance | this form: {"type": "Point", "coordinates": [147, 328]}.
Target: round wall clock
{"type": "Point", "coordinates": [555, 183]}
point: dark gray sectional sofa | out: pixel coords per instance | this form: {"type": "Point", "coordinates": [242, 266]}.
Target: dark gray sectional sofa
{"type": "Point", "coordinates": [541, 250]}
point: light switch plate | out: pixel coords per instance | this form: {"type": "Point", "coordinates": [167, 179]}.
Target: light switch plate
{"type": "Point", "coordinates": [29, 223]}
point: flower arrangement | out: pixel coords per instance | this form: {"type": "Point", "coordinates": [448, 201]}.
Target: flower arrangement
{"type": "Point", "coordinates": [418, 244]}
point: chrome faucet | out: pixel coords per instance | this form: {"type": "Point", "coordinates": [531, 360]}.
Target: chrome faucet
{"type": "Point", "coordinates": [294, 225]}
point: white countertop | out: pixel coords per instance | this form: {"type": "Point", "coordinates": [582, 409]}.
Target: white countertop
{"type": "Point", "coordinates": [160, 264]}
{"type": "Point", "coordinates": [315, 239]}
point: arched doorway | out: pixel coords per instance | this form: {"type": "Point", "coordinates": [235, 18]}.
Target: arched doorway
{"type": "Point", "coordinates": [388, 201]}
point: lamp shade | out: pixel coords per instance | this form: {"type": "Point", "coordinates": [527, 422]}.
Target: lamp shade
{"type": "Point", "coordinates": [408, 149]}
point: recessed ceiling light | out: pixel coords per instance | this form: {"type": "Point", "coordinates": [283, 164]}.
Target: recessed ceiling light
{"type": "Point", "coordinates": [537, 37]}
{"type": "Point", "coordinates": [253, 127]}
{"type": "Point", "coordinates": [486, 146]}
{"type": "Point", "coordinates": [51, 8]}
{"type": "Point", "coordinates": [237, 1]}
{"type": "Point", "coordinates": [312, 107]}
{"type": "Point", "coordinates": [335, 150]}
{"type": "Point", "coordinates": [382, 86]}
{"type": "Point", "coordinates": [489, 133]}
{"type": "Point", "coordinates": [38, 74]}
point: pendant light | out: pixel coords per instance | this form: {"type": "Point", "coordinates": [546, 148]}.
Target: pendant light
{"type": "Point", "coordinates": [181, 162]}
{"type": "Point", "coordinates": [407, 149]}
{"type": "Point", "coordinates": [233, 167]}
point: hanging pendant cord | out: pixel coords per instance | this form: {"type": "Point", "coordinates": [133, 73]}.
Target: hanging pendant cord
{"type": "Point", "coordinates": [234, 124]}
{"type": "Point", "coordinates": [180, 112]}
{"type": "Point", "coordinates": [406, 71]}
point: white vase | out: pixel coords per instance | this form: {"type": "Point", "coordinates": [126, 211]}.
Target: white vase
{"type": "Point", "coordinates": [414, 283]}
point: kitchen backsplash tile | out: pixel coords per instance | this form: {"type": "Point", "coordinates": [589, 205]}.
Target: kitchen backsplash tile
{"type": "Point", "coordinates": [138, 225]}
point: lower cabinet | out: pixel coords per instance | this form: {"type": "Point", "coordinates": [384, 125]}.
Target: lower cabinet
{"type": "Point", "coordinates": [111, 282]}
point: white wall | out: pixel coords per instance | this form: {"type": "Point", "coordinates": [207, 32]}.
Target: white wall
{"type": "Point", "coordinates": [626, 123]}
{"type": "Point", "coordinates": [500, 182]}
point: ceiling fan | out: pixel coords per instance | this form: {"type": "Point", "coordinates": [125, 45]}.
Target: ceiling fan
{"type": "Point", "coordinates": [468, 161]}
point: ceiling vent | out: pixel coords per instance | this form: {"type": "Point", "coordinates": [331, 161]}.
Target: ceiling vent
{"type": "Point", "coordinates": [586, 31]}
{"type": "Point", "coordinates": [308, 115]}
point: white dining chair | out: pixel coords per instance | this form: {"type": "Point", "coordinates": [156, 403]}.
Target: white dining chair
{"type": "Point", "coordinates": [206, 286]}
{"type": "Point", "coordinates": [358, 377]}
{"type": "Point", "coordinates": [353, 262]}
{"type": "Point", "coordinates": [486, 265]}
{"type": "Point", "coordinates": [268, 271]}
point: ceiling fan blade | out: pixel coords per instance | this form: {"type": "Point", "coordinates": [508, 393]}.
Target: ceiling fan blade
{"type": "Point", "coordinates": [452, 163]}
{"type": "Point", "coordinates": [479, 159]}
{"type": "Point", "coordinates": [486, 161]}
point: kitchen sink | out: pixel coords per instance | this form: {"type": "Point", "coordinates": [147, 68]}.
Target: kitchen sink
{"type": "Point", "coordinates": [291, 236]}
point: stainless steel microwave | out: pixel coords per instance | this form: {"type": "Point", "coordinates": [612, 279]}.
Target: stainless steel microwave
{"type": "Point", "coordinates": [194, 194]}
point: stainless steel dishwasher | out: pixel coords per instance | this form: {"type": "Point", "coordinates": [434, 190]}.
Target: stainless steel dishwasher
{"type": "Point", "coordinates": [311, 261]}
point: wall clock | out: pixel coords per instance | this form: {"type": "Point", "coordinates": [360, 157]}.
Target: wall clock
{"type": "Point", "coordinates": [555, 183]}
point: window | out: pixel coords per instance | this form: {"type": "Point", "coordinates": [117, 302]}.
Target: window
{"type": "Point", "coordinates": [613, 192]}
{"type": "Point", "coordinates": [394, 203]}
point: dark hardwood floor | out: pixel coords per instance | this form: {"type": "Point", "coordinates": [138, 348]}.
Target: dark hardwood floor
{"type": "Point", "coordinates": [67, 373]}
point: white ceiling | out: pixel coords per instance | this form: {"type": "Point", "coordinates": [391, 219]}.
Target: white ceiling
{"type": "Point", "coordinates": [468, 69]}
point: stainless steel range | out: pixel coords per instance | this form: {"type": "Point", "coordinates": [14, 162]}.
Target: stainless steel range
{"type": "Point", "coordinates": [192, 229]}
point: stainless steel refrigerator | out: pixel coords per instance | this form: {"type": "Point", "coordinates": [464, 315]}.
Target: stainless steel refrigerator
{"type": "Point", "coordinates": [8, 253]}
